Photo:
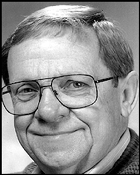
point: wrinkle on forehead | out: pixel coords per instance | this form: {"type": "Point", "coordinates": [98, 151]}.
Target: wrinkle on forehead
{"type": "Point", "coordinates": [84, 37]}
{"type": "Point", "coordinates": [48, 57]}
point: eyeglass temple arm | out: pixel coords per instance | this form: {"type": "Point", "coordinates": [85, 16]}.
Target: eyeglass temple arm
{"type": "Point", "coordinates": [105, 79]}
{"type": "Point", "coordinates": [6, 92]}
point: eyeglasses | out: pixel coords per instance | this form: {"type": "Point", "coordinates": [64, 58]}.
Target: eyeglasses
{"type": "Point", "coordinates": [72, 91]}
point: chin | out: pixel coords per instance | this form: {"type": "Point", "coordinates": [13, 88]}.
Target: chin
{"type": "Point", "coordinates": [57, 158]}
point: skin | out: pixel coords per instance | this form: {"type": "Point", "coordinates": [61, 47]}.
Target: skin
{"type": "Point", "coordinates": [58, 139]}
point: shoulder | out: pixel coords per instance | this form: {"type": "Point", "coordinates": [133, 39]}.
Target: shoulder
{"type": "Point", "coordinates": [132, 155]}
{"type": "Point", "coordinates": [28, 169]}
{"type": "Point", "coordinates": [129, 161]}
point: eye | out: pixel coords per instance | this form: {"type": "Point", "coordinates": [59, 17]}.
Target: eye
{"type": "Point", "coordinates": [77, 84]}
{"type": "Point", "coordinates": [74, 85]}
{"type": "Point", "coordinates": [26, 90]}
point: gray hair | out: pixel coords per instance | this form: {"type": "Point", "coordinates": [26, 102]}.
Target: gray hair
{"type": "Point", "coordinates": [54, 21]}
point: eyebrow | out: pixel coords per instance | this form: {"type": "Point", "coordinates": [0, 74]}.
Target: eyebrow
{"type": "Point", "coordinates": [27, 79]}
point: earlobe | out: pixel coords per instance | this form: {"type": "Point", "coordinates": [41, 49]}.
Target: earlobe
{"type": "Point", "coordinates": [129, 93]}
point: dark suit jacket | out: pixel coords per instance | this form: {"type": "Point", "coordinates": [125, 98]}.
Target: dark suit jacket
{"type": "Point", "coordinates": [127, 164]}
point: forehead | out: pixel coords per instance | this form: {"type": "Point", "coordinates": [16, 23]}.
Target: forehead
{"type": "Point", "coordinates": [48, 57]}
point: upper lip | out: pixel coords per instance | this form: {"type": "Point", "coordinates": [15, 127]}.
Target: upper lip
{"type": "Point", "coordinates": [51, 133]}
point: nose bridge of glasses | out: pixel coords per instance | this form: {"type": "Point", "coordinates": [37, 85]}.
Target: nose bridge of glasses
{"type": "Point", "coordinates": [48, 86]}
{"type": "Point", "coordinates": [44, 87]}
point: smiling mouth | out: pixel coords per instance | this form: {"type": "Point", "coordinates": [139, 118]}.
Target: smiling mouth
{"type": "Point", "coordinates": [60, 137]}
{"type": "Point", "coordinates": [53, 134]}
{"type": "Point", "coordinates": [55, 142]}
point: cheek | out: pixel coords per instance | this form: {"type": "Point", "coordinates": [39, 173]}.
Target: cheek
{"type": "Point", "coordinates": [21, 124]}
{"type": "Point", "coordinates": [102, 118]}
{"type": "Point", "coordinates": [109, 122]}
{"type": "Point", "coordinates": [101, 131]}
{"type": "Point", "coordinates": [109, 103]}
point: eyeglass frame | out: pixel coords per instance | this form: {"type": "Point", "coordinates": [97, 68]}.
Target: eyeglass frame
{"type": "Point", "coordinates": [54, 91]}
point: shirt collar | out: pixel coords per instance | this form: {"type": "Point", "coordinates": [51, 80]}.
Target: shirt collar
{"type": "Point", "coordinates": [106, 163]}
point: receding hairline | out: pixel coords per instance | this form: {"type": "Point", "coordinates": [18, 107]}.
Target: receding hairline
{"type": "Point", "coordinates": [60, 17]}
{"type": "Point", "coordinates": [61, 11]}
{"type": "Point", "coordinates": [74, 17]}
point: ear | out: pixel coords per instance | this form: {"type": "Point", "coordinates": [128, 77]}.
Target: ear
{"type": "Point", "coordinates": [129, 93]}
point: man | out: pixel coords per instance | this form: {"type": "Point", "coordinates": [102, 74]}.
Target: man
{"type": "Point", "coordinates": [69, 76]}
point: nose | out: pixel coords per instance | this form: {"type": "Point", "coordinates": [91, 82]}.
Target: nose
{"type": "Point", "coordinates": [50, 109]}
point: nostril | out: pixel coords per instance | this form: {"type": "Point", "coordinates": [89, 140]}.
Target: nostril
{"type": "Point", "coordinates": [41, 121]}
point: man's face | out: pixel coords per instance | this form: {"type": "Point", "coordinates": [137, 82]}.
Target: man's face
{"type": "Point", "coordinates": [55, 136]}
